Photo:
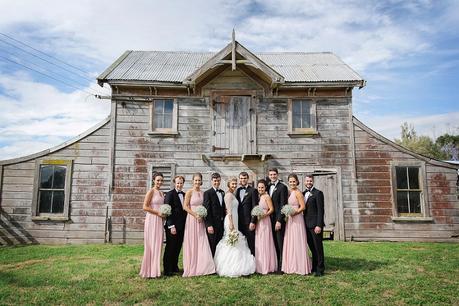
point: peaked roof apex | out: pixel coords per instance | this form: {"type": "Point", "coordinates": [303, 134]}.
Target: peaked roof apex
{"type": "Point", "coordinates": [249, 59]}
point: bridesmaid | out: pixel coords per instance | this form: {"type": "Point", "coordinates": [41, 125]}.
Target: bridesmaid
{"type": "Point", "coordinates": [295, 256]}
{"type": "Point", "coordinates": [265, 252]}
{"type": "Point", "coordinates": [197, 257]}
{"type": "Point", "coordinates": [153, 230]}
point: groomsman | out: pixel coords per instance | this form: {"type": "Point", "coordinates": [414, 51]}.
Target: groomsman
{"type": "Point", "coordinates": [214, 202]}
{"type": "Point", "coordinates": [247, 196]}
{"type": "Point", "coordinates": [314, 219]}
{"type": "Point", "coordinates": [174, 226]}
{"type": "Point", "coordinates": [279, 195]}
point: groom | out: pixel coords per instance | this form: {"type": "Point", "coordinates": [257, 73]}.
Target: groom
{"type": "Point", "coordinates": [279, 195]}
{"type": "Point", "coordinates": [247, 198]}
{"type": "Point", "coordinates": [215, 204]}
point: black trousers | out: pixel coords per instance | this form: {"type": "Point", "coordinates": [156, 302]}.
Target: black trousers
{"type": "Point", "coordinates": [317, 249]}
{"type": "Point", "coordinates": [172, 250]}
{"type": "Point", "coordinates": [278, 242]}
{"type": "Point", "coordinates": [215, 238]}
{"type": "Point", "coordinates": [250, 235]}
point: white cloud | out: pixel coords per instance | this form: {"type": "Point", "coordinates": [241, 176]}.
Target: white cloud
{"type": "Point", "coordinates": [30, 109]}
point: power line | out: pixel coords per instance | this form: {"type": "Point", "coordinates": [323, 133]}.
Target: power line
{"type": "Point", "coordinates": [48, 76]}
{"type": "Point", "coordinates": [55, 73]}
{"type": "Point", "coordinates": [41, 58]}
{"type": "Point", "coordinates": [55, 58]}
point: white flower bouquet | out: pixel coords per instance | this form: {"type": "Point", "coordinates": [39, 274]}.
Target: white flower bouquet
{"type": "Point", "coordinates": [165, 210]}
{"type": "Point", "coordinates": [233, 237]}
{"type": "Point", "coordinates": [201, 211]}
{"type": "Point", "coordinates": [288, 210]}
{"type": "Point", "coordinates": [257, 211]}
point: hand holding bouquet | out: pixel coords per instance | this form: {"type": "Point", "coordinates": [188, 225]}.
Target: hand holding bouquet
{"type": "Point", "coordinates": [257, 211]}
{"type": "Point", "coordinates": [233, 237]}
{"type": "Point", "coordinates": [165, 210]}
{"type": "Point", "coordinates": [288, 210]}
{"type": "Point", "coordinates": [201, 211]}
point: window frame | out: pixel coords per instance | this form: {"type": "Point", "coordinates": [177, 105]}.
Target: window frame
{"type": "Point", "coordinates": [424, 215]}
{"type": "Point", "coordinates": [311, 131]}
{"type": "Point", "coordinates": [164, 131]}
{"type": "Point", "coordinates": [64, 216]}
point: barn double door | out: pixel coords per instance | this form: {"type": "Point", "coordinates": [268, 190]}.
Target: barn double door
{"type": "Point", "coordinates": [233, 125]}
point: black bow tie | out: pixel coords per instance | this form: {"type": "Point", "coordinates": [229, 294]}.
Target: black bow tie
{"type": "Point", "coordinates": [219, 190]}
{"type": "Point", "coordinates": [308, 190]}
{"type": "Point", "coordinates": [180, 192]}
{"type": "Point", "coordinates": [243, 188]}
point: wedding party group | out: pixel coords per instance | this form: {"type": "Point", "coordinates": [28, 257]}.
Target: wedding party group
{"type": "Point", "coordinates": [263, 229]}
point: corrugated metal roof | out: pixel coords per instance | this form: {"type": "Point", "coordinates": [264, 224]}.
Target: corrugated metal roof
{"type": "Point", "coordinates": [166, 66]}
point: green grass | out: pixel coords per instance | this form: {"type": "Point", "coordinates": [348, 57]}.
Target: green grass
{"type": "Point", "coordinates": [356, 273]}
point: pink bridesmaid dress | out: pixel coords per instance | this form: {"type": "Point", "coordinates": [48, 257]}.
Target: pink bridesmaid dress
{"type": "Point", "coordinates": [153, 240]}
{"type": "Point", "coordinates": [197, 257]}
{"type": "Point", "coordinates": [265, 252]}
{"type": "Point", "coordinates": [295, 258]}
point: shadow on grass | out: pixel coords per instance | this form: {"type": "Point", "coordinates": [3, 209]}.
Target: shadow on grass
{"type": "Point", "coordinates": [353, 264]}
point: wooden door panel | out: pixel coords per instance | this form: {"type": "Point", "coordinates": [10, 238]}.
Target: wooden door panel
{"type": "Point", "coordinates": [232, 126]}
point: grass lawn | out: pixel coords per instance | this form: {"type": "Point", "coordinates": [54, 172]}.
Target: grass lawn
{"type": "Point", "coordinates": [374, 273]}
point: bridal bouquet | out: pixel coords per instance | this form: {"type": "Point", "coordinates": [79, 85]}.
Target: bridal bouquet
{"type": "Point", "coordinates": [257, 211]}
{"type": "Point", "coordinates": [233, 237]}
{"type": "Point", "coordinates": [287, 210]}
{"type": "Point", "coordinates": [165, 210]}
{"type": "Point", "coordinates": [201, 211]}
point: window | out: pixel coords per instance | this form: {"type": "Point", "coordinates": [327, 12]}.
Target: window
{"type": "Point", "coordinates": [52, 189]}
{"type": "Point", "coordinates": [408, 191]}
{"type": "Point", "coordinates": [163, 116]}
{"type": "Point", "coordinates": [302, 119]}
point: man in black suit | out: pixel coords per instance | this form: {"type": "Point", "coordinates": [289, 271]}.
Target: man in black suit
{"type": "Point", "coordinates": [174, 226]}
{"type": "Point", "coordinates": [214, 202]}
{"type": "Point", "coordinates": [314, 220]}
{"type": "Point", "coordinates": [279, 195]}
{"type": "Point", "coordinates": [247, 197]}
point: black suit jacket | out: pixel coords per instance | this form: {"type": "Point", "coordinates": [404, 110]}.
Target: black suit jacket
{"type": "Point", "coordinates": [314, 212]}
{"type": "Point", "coordinates": [215, 212]}
{"type": "Point", "coordinates": [178, 215]}
{"type": "Point", "coordinates": [279, 198]}
{"type": "Point", "coordinates": [246, 204]}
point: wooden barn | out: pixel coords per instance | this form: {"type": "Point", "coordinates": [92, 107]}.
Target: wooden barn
{"type": "Point", "coordinates": [226, 112]}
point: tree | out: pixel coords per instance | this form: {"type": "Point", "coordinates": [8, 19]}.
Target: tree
{"type": "Point", "coordinates": [449, 144]}
{"type": "Point", "coordinates": [423, 145]}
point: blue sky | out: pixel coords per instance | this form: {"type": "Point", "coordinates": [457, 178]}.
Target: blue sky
{"type": "Point", "coordinates": [408, 51]}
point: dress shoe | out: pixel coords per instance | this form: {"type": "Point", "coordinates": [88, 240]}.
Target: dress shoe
{"type": "Point", "coordinates": [318, 274]}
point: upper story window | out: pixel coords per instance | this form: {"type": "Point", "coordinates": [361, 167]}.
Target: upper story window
{"type": "Point", "coordinates": [409, 192]}
{"type": "Point", "coordinates": [52, 189]}
{"type": "Point", "coordinates": [163, 117]}
{"type": "Point", "coordinates": [302, 117]}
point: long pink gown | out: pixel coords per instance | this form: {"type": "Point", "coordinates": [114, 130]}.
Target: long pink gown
{"type": "Point", "coordinates": [153, 240]}
{"type": "Point", "coordinates": [197, 257]}
{"type": "Point", "coordinates": [295, 258]}
{"type": "Point", "coordinates": [265, 252]}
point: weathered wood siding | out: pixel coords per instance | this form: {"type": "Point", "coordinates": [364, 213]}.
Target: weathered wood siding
{"type": "Point", "coordinates": [89, 196]}
{"type": "Point", "coordinates": [369, 215]}
{"type": "Point", "coordinates": [190, 151]}
{"type": "Point", "coordinates": [137, 153]}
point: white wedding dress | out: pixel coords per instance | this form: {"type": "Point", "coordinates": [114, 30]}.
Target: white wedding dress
{"type": "Point", "coordinates": [233, 260]}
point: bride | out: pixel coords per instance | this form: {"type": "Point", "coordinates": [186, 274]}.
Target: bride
{"type": "Point", "coordinates": [233, 259]}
